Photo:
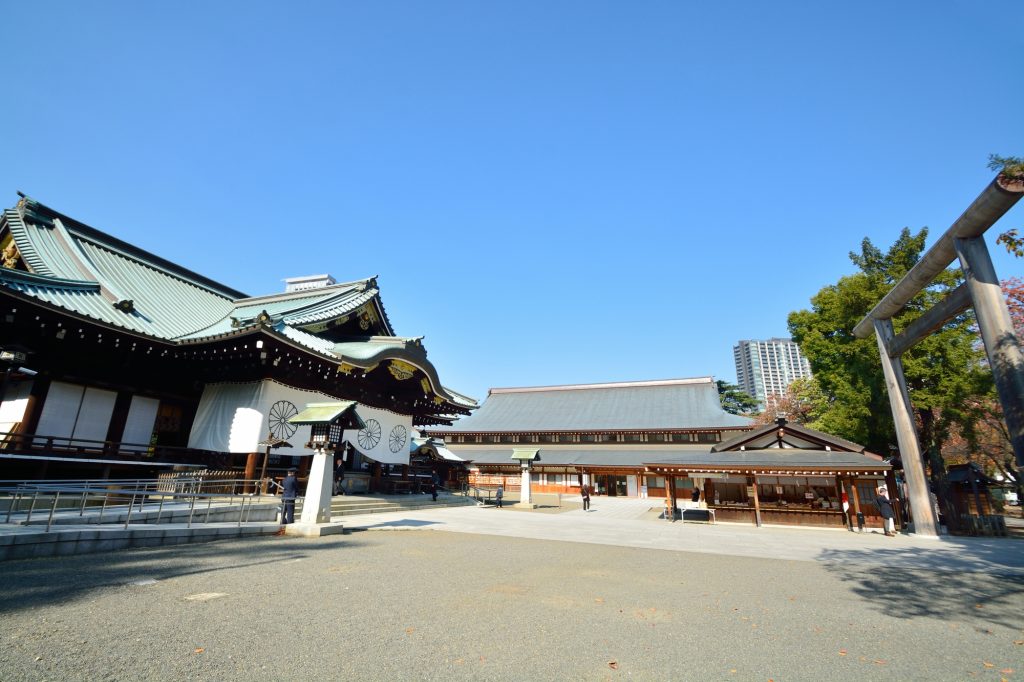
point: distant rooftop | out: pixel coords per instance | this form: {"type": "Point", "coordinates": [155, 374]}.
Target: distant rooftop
{"type": "Point", "coordinates": [634, 405]}
{"type": "Point", "coordinates": [308, 282]}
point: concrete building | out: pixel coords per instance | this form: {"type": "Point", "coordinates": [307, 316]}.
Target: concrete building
{"type": "Point", "coordinates": [767, 368]}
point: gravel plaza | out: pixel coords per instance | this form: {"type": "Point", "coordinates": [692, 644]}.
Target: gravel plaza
{"type": "Point", "coordinates": [489, 594]}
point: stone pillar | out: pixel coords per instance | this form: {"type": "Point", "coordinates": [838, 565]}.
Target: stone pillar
{"type": "Point", "coordinates": [1005, 356]}
{"type": "Point", "coordinates": [316, 506]}
{"type": "Point", "coordinates": [525, 500]}
{"type": "Point", "coordinates": [906, 434]}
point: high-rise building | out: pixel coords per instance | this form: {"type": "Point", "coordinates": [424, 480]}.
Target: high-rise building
{"type": "Point", "coordinates": [766, 368]}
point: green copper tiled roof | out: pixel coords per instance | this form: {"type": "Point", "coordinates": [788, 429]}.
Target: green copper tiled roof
{"type": "Point", "coordinates": [167, 303]}
{"type": "Point", "coordinates": [324, 413]}
{"type": "Point", "coordinates": [647, 405]}
{"type": "Point", "coordinates": [83, 271]}
{"type": "Point", "coordinates": [311, 306]}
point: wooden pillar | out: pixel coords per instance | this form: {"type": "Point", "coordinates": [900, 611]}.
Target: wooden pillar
{"type": "Point", "coordinates": [672, 499]}
{"type": "Point", "coordinates": [119, 418]}
{"type": "Point", "coordinates": [906, 433]}
{"type": "Point", "coordinates": [854, 500]}
{"type": "Point", "coordinates": [1005, 356]}
{"type": "Point", "coordinates": [757, 501]}
{"type": "Point", "coordinates": [263, 472]}
{"type": "Point", "coordinates": [842, 486]}
{"type": "Point", "coordinates": [34, 408]}
{"type": "Point", "coordinates": [250, 471]}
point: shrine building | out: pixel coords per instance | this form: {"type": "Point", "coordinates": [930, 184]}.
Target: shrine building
{"type": "Point", "coordinates": [667, 439]}
{"type": "Point", "coordinates": [117, 362]}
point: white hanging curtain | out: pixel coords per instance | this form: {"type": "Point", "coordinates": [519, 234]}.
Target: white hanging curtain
{"type": "Point", "coordinates": [94, 417]}
{"type": "Point", "coordinates": [60, 410]}
{"type": "Point", "coordinates": [235, 417]}
{"type": "Point", "coordinates": [141, 418]}
{"type": "Point", "coordinates": [385, 438]}
{"type": "Point", "coordinates": [77, 413]}
{"type": "Point", "coordinates": [12, 409]}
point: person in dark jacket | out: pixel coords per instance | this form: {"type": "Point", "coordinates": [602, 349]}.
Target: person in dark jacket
{"type": "Point", "coordinates": [289, 491]}
{"type": "Point", "coordinates": [339, 477]}
{"type": "Point", "coordinates": [585, 492]}
{"type": "Point", "coordinates": [885, 509]}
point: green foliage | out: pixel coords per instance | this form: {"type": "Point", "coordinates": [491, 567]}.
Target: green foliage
{"type": "Point", "coordinates": [1010, 165]}
{"type": "Point", "coordinates": [1013, 167]}
{"type": "Point", "coordinates": [734, 400]}
{"type": "Point", "coordinates": [1013, 243]}
{"type": "Point", "coordinates": [941, 371]}
{"type": "Point", "coordinates": [803, 403]}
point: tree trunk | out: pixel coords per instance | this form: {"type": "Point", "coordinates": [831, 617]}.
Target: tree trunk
{"type": "Point", "coordinates": [932, 444]}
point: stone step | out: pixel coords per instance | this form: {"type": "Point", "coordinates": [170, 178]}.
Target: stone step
{"type": "Point", "coordinates": [340, 506]}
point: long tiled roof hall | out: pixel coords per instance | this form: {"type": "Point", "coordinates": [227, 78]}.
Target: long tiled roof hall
{"type": "Point", "coordinates": [669, 439]}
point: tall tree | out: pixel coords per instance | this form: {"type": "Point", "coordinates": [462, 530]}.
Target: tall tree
{"type": "Point", "coordinates": [734, 400]}
{"type": "Point", "coordinates": [942, 371]}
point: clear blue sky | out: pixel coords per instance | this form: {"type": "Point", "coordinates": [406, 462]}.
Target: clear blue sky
{"type": "Point", "coordinates": [550, 192]}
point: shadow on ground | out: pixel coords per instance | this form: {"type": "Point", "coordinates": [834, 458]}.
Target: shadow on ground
{"type": "Point", "coordinates": [401, 523]}
{"type": "Point", "coordinates": [31, 583]}
{"type": "Point", "coordinates": [977, 586]}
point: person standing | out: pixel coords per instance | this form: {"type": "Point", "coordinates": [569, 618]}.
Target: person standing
{"type": "Point", "coordinates": [499, 495]}
{"type": "Point", "coordinates": [585, 492]}
{"type": "Point", "coordinates": [339, 477]}
{"type": "Point", "coordinates": [289, 491]}
{"type": "Point", "coordinates": [885, 509]}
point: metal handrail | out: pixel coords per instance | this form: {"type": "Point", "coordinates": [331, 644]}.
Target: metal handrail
{"type": "Point", "coordinates": [479, 494]}
{"type": "Point", "coordinates": [138, 494]}
{"type": "Point", "coordinates": [66, 445]}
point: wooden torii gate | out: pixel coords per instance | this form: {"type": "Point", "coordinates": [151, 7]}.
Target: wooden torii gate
{"type": "Point", "coordinates": [980, 290]}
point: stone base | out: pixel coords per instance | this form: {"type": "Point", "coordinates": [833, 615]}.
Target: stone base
{"type": "Point", "coordinates": [313, 530]}
{"type": "Point", "coordinates": [524, 505]}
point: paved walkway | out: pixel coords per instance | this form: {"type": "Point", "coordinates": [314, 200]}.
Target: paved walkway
{"type": "Point", "coordinates": [632, 523]}
{"type": "Point", "coordinates": [627, 522]}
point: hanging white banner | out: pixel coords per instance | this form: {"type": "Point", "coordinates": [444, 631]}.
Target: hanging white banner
{"type": "Point", "coordinates": [385, 438]}
{"type": "Point", "coordinates": [235, 417]}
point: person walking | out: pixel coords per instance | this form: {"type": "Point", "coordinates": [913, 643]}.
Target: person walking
{"type": "Point", "coordinates": [585, 492]}
{"type": "Point", "coordinates": [885, 509]}
{"type": "Point", "coordinates": [499, 495]}
{"type": "Point", "coordinates": [289, 491]}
